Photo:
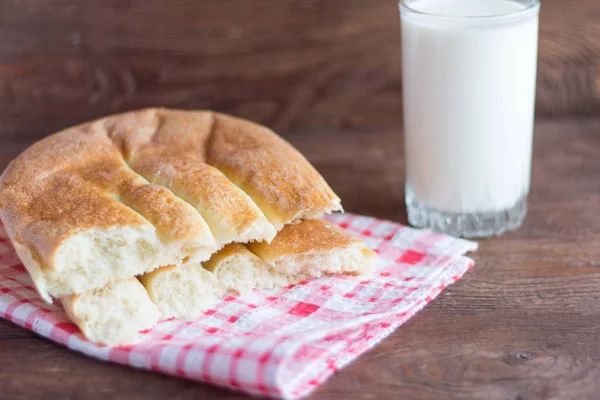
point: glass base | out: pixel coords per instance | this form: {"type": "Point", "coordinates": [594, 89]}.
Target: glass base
{"type": "Point", "coordinates": [484, 224]}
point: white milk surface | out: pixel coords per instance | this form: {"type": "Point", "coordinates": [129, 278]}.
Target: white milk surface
{"type": "Point", "coordinates": [469, 90]}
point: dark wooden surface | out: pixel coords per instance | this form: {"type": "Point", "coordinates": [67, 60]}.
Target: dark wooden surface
{"type": "Point", "coordinates": [524, 324]}
{"type": "Point", "coordinates": [295, 65]}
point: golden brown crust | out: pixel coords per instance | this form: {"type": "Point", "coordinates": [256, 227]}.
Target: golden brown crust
{"type": "Point", "coordinates": [277, 177]}
{"type": "Point", "coordinates": [308, 236]}
{"type": "Point", "coordinates": [160, 132]}
{"type": "Point", "coordinates": [45, 199]}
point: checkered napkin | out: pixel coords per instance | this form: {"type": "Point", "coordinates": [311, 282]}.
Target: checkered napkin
{"type": "Point", "coordinates": [281, 343]}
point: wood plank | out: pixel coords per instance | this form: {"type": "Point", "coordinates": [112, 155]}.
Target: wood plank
{"type": "Point", "coordinates": [294, 65]}
{"type": "Point", "coordinates": [523, 324]}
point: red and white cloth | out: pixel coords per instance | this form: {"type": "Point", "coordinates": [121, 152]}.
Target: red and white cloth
{"type": "Point", "coordinates": [282, 343]}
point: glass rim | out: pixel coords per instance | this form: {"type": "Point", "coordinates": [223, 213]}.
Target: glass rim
{"type": "Point", "coordinates": [534, 6]}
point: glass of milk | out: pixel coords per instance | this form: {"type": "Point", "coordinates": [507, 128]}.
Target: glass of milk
{"type": "Point", "coordinates": [469, 75]}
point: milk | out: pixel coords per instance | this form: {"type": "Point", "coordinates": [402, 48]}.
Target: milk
{"type": "Point", "coordinates": [469, 74]}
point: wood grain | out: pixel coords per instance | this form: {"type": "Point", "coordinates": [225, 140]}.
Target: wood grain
{"type": "Point", "coordinates": [294, 65]}
{"type": "Point", "coordinates": [523, 324]}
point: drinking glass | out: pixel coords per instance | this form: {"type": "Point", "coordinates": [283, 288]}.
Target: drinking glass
{"type": "Point", "coordinates": [469, 77]}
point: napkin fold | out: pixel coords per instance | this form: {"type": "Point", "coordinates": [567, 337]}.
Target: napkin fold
{"type": "Point", "coordinates": [282, 343]}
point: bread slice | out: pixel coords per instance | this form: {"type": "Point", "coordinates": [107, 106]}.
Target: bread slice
{"type": "Point", "coordinates": [275, 175]}
{"type": "Point", "coordinates": [183, 292]}
{"type": "Point", "coordinates": [114, 314]}
{"type": "Point", "coordinates": [229, 212]}
{"type": "Point", "coordinates": [237, 268]}
{"type": "Point", "coordinates": [314, 248]}
{"type": "Point", "coordinates": [304, 250]}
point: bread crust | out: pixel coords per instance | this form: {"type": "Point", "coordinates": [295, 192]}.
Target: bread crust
{"type": "Point", "coordinates": [308, 236]}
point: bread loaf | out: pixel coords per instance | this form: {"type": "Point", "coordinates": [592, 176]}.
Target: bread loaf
{"type": "Point", "coordinates": [158, 213]}
{"type": "Point", "coordinates": [125, 194]}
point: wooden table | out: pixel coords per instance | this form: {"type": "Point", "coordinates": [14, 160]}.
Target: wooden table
{"type": "Point", "coordinates": [523, 324]}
